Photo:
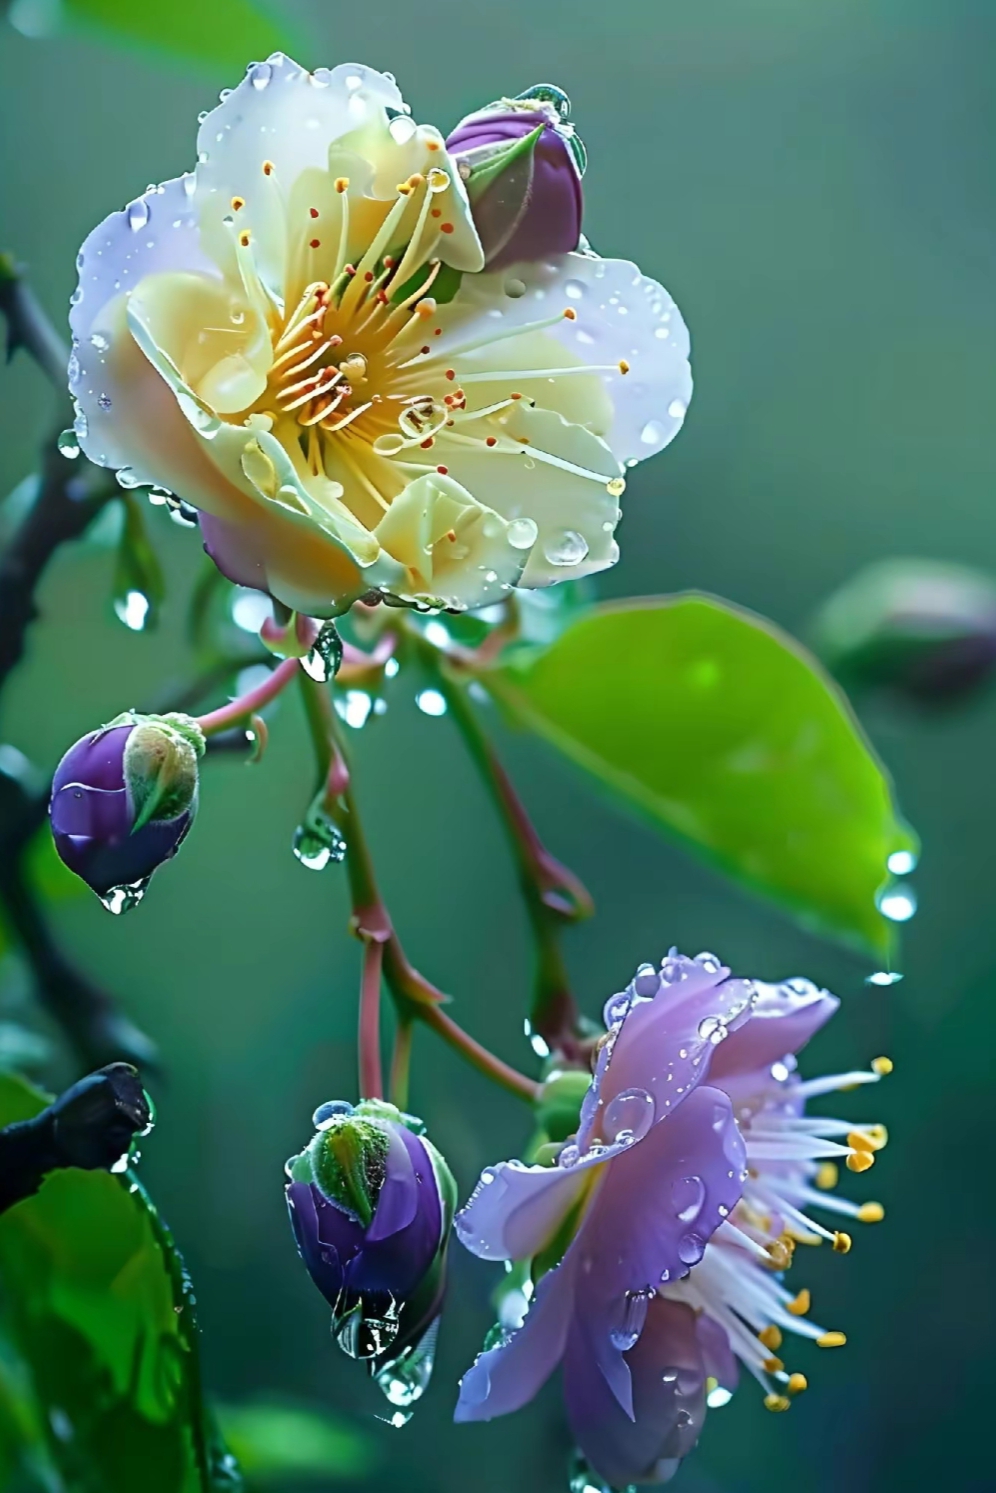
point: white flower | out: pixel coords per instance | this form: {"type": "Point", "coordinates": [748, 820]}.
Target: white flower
{"type": "Point", "coordinates": [299, 340]}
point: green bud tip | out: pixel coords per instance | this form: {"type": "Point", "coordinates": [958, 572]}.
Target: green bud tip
{"type": "Point", "coordinates": [349, 1163]}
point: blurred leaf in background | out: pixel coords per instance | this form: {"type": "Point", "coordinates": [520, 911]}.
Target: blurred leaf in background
{"type": "Point", "coordinates": [276, 1441]}
{"type": "Point", "coordinates": [222, 34]}
{"type": "Point", "coordinates": [723, 730]}
{"type": "Point", "coordinates": [98, 1307]}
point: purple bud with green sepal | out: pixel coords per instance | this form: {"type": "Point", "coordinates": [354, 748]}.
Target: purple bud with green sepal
{"type": "Point", "coordinates": [522, 164]}
{"type": "Point", "coordinates": [123, 798]}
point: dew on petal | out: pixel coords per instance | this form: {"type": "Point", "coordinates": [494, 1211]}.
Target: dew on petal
{"type": "Point", "coordinates": [688, 1196]}
{"type": "Point", "coordinates": [522, 533]}
{"type": "Point", "coordinates": [138, 214]}
{"type": "Point", "coordinates": [628, 1116]}
{"type": "Point", "coordinates": [566, 548]}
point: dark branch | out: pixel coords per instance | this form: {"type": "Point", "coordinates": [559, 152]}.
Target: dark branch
{"type": "Point", "coordinates": [91, 1126]}
{"type": "Point", "coordinates": [27, 325]}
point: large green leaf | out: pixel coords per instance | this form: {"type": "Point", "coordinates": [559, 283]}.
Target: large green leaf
{"type": "Point", "coordinates": [220, 33]}
{"type": "Point", "coordinates": [277, 1442]}
{"type": "Point", "coordinates": [99, 1308]}
{"type": "Point", "coordinates": [725, 731]}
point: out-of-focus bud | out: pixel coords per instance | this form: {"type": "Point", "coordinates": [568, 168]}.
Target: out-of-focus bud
{"type": "Point", "coordinates": [522, 164]}
{"type": "Point", "coordinates": [922, 627]}
{"type": "Point", "coordinates": [371, 1203]}
{"type": "Point", "coordinates": [123, 798]}
{"type": "Point", "coordinates": [558, 1108]}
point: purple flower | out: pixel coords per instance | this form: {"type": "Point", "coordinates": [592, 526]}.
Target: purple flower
{"type": "Point", "coordinates": [371, 1203]}
{"type": "Point", "coordinates": [522, 163]}
{"type": "Point", "coordinates": [123, 798]}
{"type": "Point", "coordinates": [656, 1240]}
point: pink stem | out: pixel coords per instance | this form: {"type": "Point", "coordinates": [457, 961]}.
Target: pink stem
{"type": "Point", "coordinates": [371, 1077]}
{"type": "Point", "coordinates": [245, 705]}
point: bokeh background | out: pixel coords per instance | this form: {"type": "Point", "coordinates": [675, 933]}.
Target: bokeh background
{"type": "Point", "coordinates": [813, 182]}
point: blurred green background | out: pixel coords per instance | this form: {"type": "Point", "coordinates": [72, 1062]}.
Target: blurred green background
{"type": "Point", "coordinates": [813, 182]}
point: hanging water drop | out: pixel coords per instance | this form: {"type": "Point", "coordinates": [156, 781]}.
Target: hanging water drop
{"type": "Point", "coordinates": [138, 214]}
{"type": "Point", "coordinates": [404, 1381]}
{"type": "Point", "coordinates": [322, 663]}
{"type": "Point", "coordinates": [317, 841]}
{"type": "Point", "coordinates": [634, 1315]}
{"type": "Point", "coordinates": [123, 898]}
{"type": "Point", "coordinates": [69, 445]}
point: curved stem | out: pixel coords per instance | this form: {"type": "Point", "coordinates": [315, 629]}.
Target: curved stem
{"type": "Point", "coordinates": [401, 1059]}
{"type": "Point", "coordinates": [415, 997]}
{"type": "Point", "coordinates": [371, 1076]}
{"type": "Point", "coordinates": [253, 700]}
{"type": "Point", "coordinates": [552, 893]}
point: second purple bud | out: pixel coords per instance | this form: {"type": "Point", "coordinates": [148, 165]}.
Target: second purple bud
{"type": "Point", "coordinates": [522, 164]}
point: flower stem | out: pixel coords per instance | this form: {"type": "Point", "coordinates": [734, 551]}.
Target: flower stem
{"type": "Point", "coordinates": [401, 1059]}
{"type": "Point", "coordinates": [246, 705]}
{"type": "Point", "coordinates": [371, 1076]}
{"type": "Point", "coordinates": [415, 997]}
{"type": "Point", "coordinates": [552, 893]}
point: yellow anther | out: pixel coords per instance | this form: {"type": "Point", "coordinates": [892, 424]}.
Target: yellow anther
{"type": "Point", "coordinates": [780, 1256]}
{"type": "Point", "coordinates": [773, 1365]}
{"type": "Point", "coordinates": [404, 189]}
{"type": "Point", "coordinates": [831, 1340]}
{"type": "Point", "coordinates": [237, 203]}
{"type": "Point", "coordinates": [776, 1402]}
{"type": "Point", "coordinates": [871, 1213]}
{"type": "Point", "coordinates": [416, 180]}
{"type": "Point", "coordinates": [797, 1383]}
{"type": "Point", "coordinates": [842, 1243]}
{"type": "Point", "coordinates": [244, 238]}
{"type": "Point", "coordinates": [826, 1175]}
{"type": "Point", "coordinates": [623, 366]}
{"type": "Point", "coordinates": [791, 1240]}
{"type": "Point", "coordinates": [878, 1136]}
{"type": "Point", "coordinates": [268, 168]}
{"type": "Point", "coordinates": [770, 1336]}
{"type": "Point", "coordinates": [882, 1066]}
{"type": "Point", "coordinates": [860, 1161]}
{"type": "Point", "coordinates": [342, 184]}
{"type": "Point", "coordinates": [570, 314]}
{"type": "Point", "coordinates": [800, 1305]}
{"type": "Point", "coordinates": [859, 1140]}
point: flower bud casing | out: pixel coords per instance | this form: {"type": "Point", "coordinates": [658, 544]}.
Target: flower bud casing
{"type": "Point", "coordinates": [371, 1203]}
{"type": "Point", "coordinates": [522, 165]}
{"type": "Point", "coordinates": [923, 628]}
{"type": "Point", "coordinates": [124, 797]}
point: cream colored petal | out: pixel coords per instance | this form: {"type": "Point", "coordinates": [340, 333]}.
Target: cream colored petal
{"type": "Point", "coordinates": [456, 552]}
{"type": "Point", "coordinates": [619, 316]}
{"type": "Point", "coordinates": [549, 479]}
{"type": "Point", "coordinates": [219, 345]}
{"type": "Point", "coordinates": [286, 118]}
{"type": "Point", "coordinates": [155, 233]}
{"type": "Point", "coordinates": [580, 396]}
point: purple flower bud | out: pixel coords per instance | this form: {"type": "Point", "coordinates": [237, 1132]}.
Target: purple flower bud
{"type": "Point", "coordinates": [522, 164]}
{"type": "Point", "coordinates": [371, 1203]}
{"type": "Point", "coordinates": [922, 628]}
{"type": "Point", "coordinates": [123, 798]}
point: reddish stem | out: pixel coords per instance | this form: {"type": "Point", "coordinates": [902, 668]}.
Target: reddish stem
{"type": "Point", "coordinates": [371, 1076]}
{"type": "Point", "coordinates": [253, 700]}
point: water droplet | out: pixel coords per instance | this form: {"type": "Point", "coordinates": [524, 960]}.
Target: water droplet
{"type": "Point", "coordinates": [629, 1115]}
{"type": "Point", "coordinates": [138, 214]}
{"type": "Point", "coordinates": [354, 707]}
{"type": "Point", "coordinates": [126, 478]}
{"type": "Point", "coordinates": [404, 1381]}
{"type": "Point", "coordinates": [199, 416]}
{"type": "Point", "coordinates": [260, 75]}
{"type": "Point", "coordinates": [677, 409]}
{"type": "Point", "coordinates": [100, 340]}
{"type": "Point", "coordinates": [203, 114]}
{"type": "Point", "coordinates": [568, 547]}
{"type": "Point", "coordinates": [615, 487]}
{"type": "Point", "coordinates": [327, 1112]}
{"type": "Point", "coordinates": [690, 1249]}
{"type": "Point", "coordinates": [420, 420]}
{"type": "Point", "coordinates": [132, 609]}
{"type": "Point", "coordinates": [515, 288]}
{"type": "Point", "coordinates": [522, 533]}
{"type": "Point", "coordinates": [884, 977]}
{"type": "Point", "coordinates": [688, 1195]}
{"type": "Point", "coordinates": [902, 862]}
{"type": "Point", "coordinates": [431, 702]}
{"type": "Point", "coordinates": [69, 444]}
{"type": "Point", "coordinates": [368, 1328]}
{"type": "Point", "coordinates": [713, 1029]}
{"type": "Point", "coordinates": [616, 1008]}
{"type": "Point", "coordinates": [718, 1397]}
{"type": "Point", "coordinates": [76, 296]}
{"type": "Point", "coordinates": [318, 841]}
{"type": "Point", "coordinates": [647, 981]}
{"type": "Point", "coordinates": [574, 290]}
{"type": "Point", "coordinates": [709, 963]}
{"type": "Point", "coordinates": [584, 1479]}
{"type": "Point", "coordinates": [634, 1315]}
{"type": "Point", "coordinates": [569, 1155]}
{"type": "Point", "coordinates": [123, 898]}
{"type": "Point", "coordinates": [73, 370]}
{"type": "Point", "coordinates": [898, 904]}
{"type": "Point", "coordinates": [652, 433]}
{"type": "Point", "coordinates": [104, 401]}
{"type": "Point", "coordinates": [323, 661]}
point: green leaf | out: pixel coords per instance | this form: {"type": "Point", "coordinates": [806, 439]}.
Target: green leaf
{"type": "Point", "coordinates": [100, 1309]}
{"type": "Point", "coordinates": [222, 34]}
{"type": "Point", "coordinates": [274, 1442]}
{"type": "Point", "coordinates": [726, 732]}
